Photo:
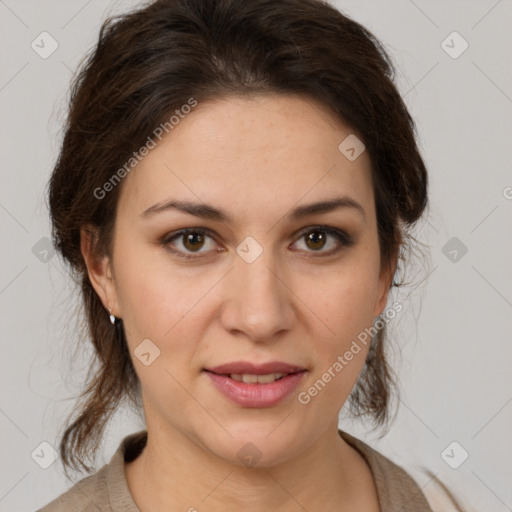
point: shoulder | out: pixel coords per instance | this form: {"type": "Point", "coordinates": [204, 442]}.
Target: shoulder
{"type": "Point", "coordinates": [88, 495]}
{"type": "Point", "coordinates": [106, 489]}
{"type": "Point", "coordinates": [396, 489]}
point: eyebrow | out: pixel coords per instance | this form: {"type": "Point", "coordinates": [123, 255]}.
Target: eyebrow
{"type": "Point", "coordinates": [206, 211]}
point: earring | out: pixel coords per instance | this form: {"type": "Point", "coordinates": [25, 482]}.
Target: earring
{"type": "Point", "coordinates": [112, 317]}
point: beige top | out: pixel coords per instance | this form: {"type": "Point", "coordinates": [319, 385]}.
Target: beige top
{"type": "Point", "coordinates": [107, 489]}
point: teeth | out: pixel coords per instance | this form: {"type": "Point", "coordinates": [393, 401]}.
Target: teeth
{"type": "Point", "coordinates": [261, 379]}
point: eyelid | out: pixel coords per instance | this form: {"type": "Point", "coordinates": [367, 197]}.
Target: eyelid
{"type": "Point", "coordinates": [176, 235]}
{"type": "Point", "coordinates": [344, 238]}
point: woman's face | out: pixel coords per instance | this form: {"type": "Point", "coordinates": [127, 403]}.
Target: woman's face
{"type": "Point", "coordinates": [264, 285]}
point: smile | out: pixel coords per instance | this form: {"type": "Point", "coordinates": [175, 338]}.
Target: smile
{"type": "Point", "coordinates": [256, 390]}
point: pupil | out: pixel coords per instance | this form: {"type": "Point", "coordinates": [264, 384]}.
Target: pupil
{"type": "Point", "coordinates": [193, 238]}
{"type": "Point", "coordinates": [317, 237]}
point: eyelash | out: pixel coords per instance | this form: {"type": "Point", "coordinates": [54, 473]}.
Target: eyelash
{"type": "Point", "coordinates": [343, 237]}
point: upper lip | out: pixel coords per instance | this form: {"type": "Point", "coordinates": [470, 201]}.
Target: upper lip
{"type": "Point", "coordinates": [248, 368]}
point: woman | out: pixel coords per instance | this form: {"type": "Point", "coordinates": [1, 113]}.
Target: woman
{"type": "Point", "coordinates": [234, 191]}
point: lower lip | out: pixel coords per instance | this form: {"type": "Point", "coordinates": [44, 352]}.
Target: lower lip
{"type": "Point", "coordinates": [256, 395]}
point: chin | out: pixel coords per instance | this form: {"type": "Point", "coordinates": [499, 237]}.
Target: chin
{"type": "Point", "coordinates": [254, 444]}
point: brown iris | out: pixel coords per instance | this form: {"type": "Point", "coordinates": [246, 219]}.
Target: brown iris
{"type": "Point", "coordinates": [194, 239]}
{"type": "Point", "coordinates": [316, 237]}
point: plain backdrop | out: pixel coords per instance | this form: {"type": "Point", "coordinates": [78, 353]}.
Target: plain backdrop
{"type": "Point", "coordinates": [451, 345]}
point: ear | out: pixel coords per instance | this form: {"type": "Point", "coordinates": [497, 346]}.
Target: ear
{"type": "Point", "coordinates": [385, 282]}
{"type": "Point", "coordinates": [99, 269]}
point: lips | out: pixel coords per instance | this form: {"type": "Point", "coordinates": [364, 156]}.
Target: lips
{"type": "Point", "coordinates": [256, 385]}
{"type": "Point", "coordinates": [248, 368]}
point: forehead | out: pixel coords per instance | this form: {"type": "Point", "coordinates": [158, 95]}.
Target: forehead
{"type": "Point", "coordinates": [251, 155]}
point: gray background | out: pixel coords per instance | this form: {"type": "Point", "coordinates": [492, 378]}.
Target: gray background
{"type": "Point", "coordinates": [452, 345]}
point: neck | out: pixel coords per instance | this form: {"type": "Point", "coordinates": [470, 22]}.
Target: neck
{"type": "Point", "coordinates": [173, 473]}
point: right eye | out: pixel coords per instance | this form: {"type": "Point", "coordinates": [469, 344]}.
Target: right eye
{"type": "Point", "coordinates": [191, 241]}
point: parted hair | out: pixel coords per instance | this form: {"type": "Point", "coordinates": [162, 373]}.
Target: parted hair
{"type": "Point", "coordinates": [149, 62]}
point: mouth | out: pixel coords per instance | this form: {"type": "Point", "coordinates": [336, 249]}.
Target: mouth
{"type": "Point", "coordinates": [253, 379]}
{"type": "Point", "coordinates": [251, 385]}
{"type": "Point", "coordinates": [249, 378]}
{"type": "Point", "coordinates": [248, 368]}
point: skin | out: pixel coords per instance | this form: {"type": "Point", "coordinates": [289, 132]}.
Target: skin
{"type": "Point", "coordinates": [257, 157]}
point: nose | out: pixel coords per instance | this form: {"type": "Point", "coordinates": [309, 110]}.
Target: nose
{"type": "Point", "coordinates": [257, 300]}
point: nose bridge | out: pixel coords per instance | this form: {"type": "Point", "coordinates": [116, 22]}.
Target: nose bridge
{"type": "Point", "coordinates": [260, 304]}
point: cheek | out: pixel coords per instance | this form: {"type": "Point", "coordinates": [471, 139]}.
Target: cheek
{"type": "Point", "coordinates": [162, 302]}
{"type": "Point", "coordinates": [348, 309]}
{"type": "Point", "coordinates": [145, 289]}
{"type": "Point", "coordinates": [348, 302]}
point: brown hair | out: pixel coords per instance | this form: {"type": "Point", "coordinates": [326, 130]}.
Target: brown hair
{"type": "Point", "coordinates": [150, 62]}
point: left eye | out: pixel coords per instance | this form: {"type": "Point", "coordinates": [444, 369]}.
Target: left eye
{"type": "Point", "coordinates": [316, 239]}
